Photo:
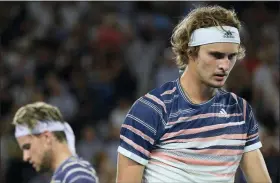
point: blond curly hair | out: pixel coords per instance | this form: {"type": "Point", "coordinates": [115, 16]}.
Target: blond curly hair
{"type": "Point", "coordinates": [201, 17]}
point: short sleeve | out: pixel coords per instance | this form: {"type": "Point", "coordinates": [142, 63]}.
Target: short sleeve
{"type": "Point", "coordinates": [139, 131]}
{"type": "Point", "coordinates": [253, 140]}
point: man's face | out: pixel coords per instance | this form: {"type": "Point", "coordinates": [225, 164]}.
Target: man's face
{"type": "Point", "coordinates": [36, 151]}
{"type": "Point", "coordinates": [214, 63]}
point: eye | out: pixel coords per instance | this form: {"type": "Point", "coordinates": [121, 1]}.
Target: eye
{"type": "Point", "coordinates": [217, 55]}
{"type": "Point", "coordinates": [26, 146]}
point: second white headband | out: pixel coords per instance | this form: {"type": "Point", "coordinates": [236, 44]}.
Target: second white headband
{"type": "Point", "coordinates": [52, 126]}
{"type": "Point", "coordinates": [226, 34]}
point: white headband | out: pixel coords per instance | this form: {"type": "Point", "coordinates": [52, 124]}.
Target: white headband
{"type": "Point", "coordinates": [23, 130]}
{"type": "Point", "coordinates": [226, 34]}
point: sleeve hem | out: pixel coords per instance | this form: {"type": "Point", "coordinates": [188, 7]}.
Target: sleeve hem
{"type": "Point", "coordinates": [132, 156]}
{"type": "Point", "coordinates": [253, 147]}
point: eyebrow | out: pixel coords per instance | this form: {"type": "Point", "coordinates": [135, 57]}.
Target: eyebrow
{"type": "Point", "coordinates": [26, 146]}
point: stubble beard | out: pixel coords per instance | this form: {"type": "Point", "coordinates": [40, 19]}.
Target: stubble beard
{"type": "Point", "coordinates": [46, 162]}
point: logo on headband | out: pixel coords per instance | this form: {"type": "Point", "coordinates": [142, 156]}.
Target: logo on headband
{"type": "Point", "coordinates": [228, 34]}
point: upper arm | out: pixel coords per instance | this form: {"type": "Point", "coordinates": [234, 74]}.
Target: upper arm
{"type": "Point", "coordinates": [254, 167]}
{"type": "Point", "coordinates": [138, 136]}
{"type": "Point", "coordinates": [252, 162]}
{"type": "Point", "coordinates": [252, 140]}
{"type": "Point", "coordinates": [126, 165]}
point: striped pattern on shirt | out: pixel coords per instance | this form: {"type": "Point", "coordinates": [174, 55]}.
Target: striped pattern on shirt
{"type": "Point", "coordinates": [178, 141]}
{"type": "Point", "coordinates": [75, 170]}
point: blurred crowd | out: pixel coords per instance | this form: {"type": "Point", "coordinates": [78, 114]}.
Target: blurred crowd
{"type": "Point", "coordinates": [93, 59]}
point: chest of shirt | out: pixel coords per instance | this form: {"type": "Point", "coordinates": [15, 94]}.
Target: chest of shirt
{"type": "Point", "coordinates": [211, 124]}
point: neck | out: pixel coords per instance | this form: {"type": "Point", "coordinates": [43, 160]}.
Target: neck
{"type": "Point", "coordinates": [61, 153]}
{"type": "Point", "coordinates": [196, 90]}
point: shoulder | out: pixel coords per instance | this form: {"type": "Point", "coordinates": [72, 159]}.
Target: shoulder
{"type": "Point", "coordinates": [167, 88]}
{"type": "Point", "coordinates": [150, 111]}
{"type": "Point", "coordinates": [156, 98]}
{"type": "Point", "coordinates": [230, 98]}
{"type": "Point", "coordinates": [77, 170]}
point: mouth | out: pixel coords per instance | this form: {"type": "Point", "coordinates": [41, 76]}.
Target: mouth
{"type": "Point", "coordinates": [220, 77]}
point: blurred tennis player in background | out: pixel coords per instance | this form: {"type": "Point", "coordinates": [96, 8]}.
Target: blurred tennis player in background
{"type": "Point", "coordinates": [191, 130]}
{"type": "Point", "coordinates": [48, 143]}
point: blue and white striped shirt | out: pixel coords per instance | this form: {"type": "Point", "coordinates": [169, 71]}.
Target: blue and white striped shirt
{"type": "Point", "coordinates": [75, 170]}
{"type": "Point", "coordinates": [178, 141]}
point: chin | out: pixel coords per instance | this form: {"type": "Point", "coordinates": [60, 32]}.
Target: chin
{"type": "Point", "coordinates": [213, 83]}
{"type": "Point", "coordinates": [42, 169]}
{"type": "Point", "coordinates": [216, 85]}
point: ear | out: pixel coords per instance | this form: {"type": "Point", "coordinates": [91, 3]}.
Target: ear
{"type": "Point", "coordinates": [190, 56]}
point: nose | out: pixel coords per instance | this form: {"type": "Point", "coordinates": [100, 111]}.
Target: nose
{"type": "Point", "coordinates": [224, 64]}
{"type": "Point", "coordinates": [26, 156]}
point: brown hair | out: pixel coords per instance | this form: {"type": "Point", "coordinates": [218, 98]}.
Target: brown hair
{"type": "Point", "coordinates": [201, 17]}
{"type": "Point", "coordinates": [30, 114]}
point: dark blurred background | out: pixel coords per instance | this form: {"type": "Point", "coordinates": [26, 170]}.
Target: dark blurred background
{"type": "Point", "coordinates": [93, 59]}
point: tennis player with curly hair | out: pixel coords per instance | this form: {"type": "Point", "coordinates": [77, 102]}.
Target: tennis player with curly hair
{"type": "Point", "coordinates": [190, 129]}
